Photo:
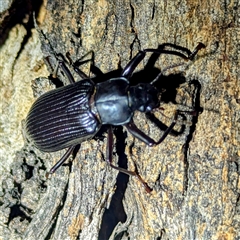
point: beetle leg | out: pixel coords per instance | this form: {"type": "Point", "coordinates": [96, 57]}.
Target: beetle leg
{"type": "Point", "coordinates": [80, 72]}
{"type": "Point", "coordinates": [61, 161]}
{"type": "Point", "coordinates": [195, 51]}
{"type": "Point", "coordinates": [131, 66]}
{"type": "Point", "coordinates": [136, 132]}
{"type": "Point", "coordinates": [55, 70]}
{"type": "Point", "coordinates": [110, 153]}
{"type": "Point", "coordinates": [66, 71]}
{"type": "Point", "coordinates": [75, 66]}
{"type": "Point", "coordinates": [95, 70]}
{"type": "Point", "coordinates": [190, 55]}
{"type": "Point", "coordinates": [109, 161]}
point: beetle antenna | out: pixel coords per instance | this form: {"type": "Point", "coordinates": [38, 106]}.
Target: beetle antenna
{"type": "Point", "coordinates": [164, 70]}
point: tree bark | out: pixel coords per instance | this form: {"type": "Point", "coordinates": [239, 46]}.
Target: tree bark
{"type": "Point", "coordinates": [194, 175]}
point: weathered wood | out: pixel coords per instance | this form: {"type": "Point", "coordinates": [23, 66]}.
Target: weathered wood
{"type": "Point", "coordinates": [194, 176]}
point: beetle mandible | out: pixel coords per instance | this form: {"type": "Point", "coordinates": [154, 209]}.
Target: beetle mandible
{"type": "Point", "coordinates": [66, 116]}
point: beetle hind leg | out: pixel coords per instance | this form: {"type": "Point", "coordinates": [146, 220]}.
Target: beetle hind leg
{"type": "Point", "coordinates": [61, 161]}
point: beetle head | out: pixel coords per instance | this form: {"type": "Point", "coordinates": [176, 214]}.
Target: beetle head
{"type": "Point", "coordinates": [144, 97]}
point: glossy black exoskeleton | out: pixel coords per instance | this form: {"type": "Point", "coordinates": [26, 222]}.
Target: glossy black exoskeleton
{"type": "Point", "coordinates": [69, 115]}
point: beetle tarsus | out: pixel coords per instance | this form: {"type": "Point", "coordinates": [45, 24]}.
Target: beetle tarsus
{"type": "Point", "coordinates": [195, 51]}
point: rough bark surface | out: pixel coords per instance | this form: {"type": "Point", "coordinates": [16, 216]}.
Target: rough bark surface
{"type": "Point", "coordinates": [194, 175]}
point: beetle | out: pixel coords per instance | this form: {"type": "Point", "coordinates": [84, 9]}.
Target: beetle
{"type": "Point", "coordinates": [66, 116]}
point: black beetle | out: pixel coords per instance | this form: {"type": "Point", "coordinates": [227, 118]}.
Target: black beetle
{"type": "Point", "coordinates": [69, 115]}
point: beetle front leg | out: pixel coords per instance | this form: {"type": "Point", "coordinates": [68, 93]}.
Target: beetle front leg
{"type": "Point", "coordinates": [131, 66]}
{"type": "Point", "coordinates": [128, 70]}
{"type": "Point", "coordinates": [109, 161]}
{"type": "Point", "coordinates": [136, 132]}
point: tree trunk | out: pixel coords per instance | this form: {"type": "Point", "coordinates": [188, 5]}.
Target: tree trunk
{"type": "Point", "coordinates": [194, 175]}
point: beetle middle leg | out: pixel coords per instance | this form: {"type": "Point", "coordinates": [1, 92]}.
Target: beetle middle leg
{"type": "Point", "coordinates": [109, 161]}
